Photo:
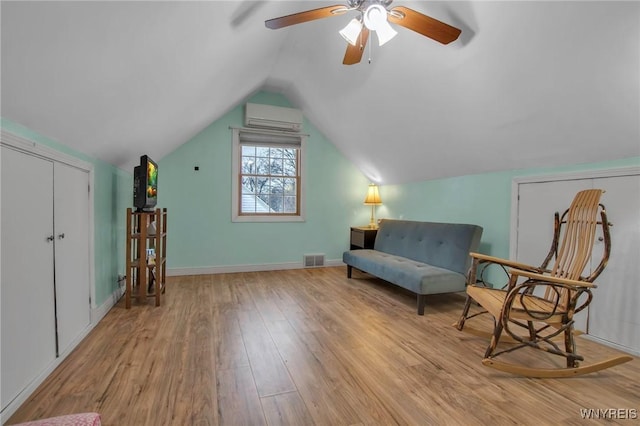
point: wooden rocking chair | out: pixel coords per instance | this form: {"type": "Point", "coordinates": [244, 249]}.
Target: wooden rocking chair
{"type": "Point", "coordinates": [537, 306]}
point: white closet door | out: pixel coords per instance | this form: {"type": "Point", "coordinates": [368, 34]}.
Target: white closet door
{"type": "Point", "coordinates": [71, 214]}
{"type": "Point", "coordinates": [614, 315]}
{"type": "Point", "coordinates": [538, 201]}
{"type": "Point", "coordinates": [537, 204]}
{"type": "Point", "coordinates": [27, 309]}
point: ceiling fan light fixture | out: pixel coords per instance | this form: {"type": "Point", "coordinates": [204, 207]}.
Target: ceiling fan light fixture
{"type": "Point", "coordinates": [385, 33]}
{"type": "Point", "coordinates": [375, 16]}
{"type": "Point", "coordinates": [352, 31]}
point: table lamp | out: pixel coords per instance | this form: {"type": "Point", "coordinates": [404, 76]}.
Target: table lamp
{"type": "Point", "coordinates": [372, 199]}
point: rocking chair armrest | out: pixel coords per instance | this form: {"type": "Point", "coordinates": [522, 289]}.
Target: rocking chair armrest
{"type": "Point", "coordinates": [552, 279]}
{"type": "Point", "coordinates": [505, 262]}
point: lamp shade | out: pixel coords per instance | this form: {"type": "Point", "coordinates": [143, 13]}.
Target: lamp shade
{"type": "Point", "coordinates": [352, 31]}
{"type": "Point", "coordinates": [373, 196]}
{"type": "Point", "coordinates": [385, 33]}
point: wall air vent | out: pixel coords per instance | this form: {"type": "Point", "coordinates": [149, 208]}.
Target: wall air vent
{"type": "Point", "coordinates": [313, 260]}
{"type": "Point", "coordinates": [273, 117]}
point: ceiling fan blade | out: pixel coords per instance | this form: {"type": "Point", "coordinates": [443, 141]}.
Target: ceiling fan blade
{"type": "Point", "coordinates": [309, 15]}
{"type": "Point", "coordinates": [423, 24]}
{"type": "Point", "coordinates": [353, 55]}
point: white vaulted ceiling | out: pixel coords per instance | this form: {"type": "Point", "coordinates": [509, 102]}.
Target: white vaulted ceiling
{"type": "Point", "coordinates": [528, 84]}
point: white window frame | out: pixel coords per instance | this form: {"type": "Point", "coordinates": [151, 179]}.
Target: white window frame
{"type": "Point", "coordinates": [236, 159]}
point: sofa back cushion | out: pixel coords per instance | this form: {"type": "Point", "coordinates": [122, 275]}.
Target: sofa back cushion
{"type": "Point", "coordinates": [445, 245]}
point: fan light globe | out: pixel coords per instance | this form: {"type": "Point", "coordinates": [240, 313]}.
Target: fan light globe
{"type": "Point", "coordinates": [375, 18]}
{"type": "Point", "coordinates": [352, 31]}
{"type": "Point", "coordinates": [385, 33]}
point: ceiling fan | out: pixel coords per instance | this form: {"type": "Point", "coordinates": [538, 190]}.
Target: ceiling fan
{"type": "Point", "coordinates": [374, 15]}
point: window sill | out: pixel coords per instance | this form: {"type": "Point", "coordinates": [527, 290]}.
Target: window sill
{"type": "Point", "coordinates": [267, 219]}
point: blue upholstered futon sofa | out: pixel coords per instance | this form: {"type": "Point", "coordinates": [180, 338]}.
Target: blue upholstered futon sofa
{"type": "Point", "coordinates": [424, 257]}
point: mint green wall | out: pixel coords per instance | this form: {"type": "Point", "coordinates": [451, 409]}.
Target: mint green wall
{"type": "Point", "coordinates": [200, 231]}
{"type": "Point", "coordinates": [111, 194]}
{"type": "Point", "coordinates": [483, 199]}
{"type": "Point", "coordinates": [202, 235]}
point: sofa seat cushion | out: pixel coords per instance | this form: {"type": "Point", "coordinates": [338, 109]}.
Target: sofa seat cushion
{"type": "Point", "coordinates": [418, 277]}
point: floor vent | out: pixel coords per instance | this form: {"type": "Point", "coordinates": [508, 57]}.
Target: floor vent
{"type": "Point", "coordinates": [313, 260]}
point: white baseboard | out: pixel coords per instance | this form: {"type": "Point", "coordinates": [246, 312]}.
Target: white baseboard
{"type": "Point", "coordinates": [96, 315]}
{"type": "Point", "coordinates": [227, 269]}
{"type": "Point", "coordinates": [632, 351]}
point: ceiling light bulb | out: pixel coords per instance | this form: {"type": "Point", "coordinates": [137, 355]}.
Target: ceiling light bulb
{"type": "Point", "coordinates": [385, 33]}
{"type": "Point", "coordinates": [352, 31]}
{"type": "Point", "coordinates": [375, 16]}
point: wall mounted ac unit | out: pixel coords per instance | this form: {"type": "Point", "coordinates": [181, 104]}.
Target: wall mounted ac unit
{"type": "Point", "coordinates": [273, 117]}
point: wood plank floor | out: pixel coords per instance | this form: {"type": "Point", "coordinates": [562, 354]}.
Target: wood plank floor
{"type": "Point", "coordinates": [308, 347]}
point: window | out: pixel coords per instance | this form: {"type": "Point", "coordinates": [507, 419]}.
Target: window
{"type": "Point", "coordinates": [267, 176]}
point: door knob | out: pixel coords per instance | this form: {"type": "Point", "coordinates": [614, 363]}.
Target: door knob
{"type": "Point", "coordinates": [50, 238]}
{"type": "Point", "coordinates": [600, 239]}
{"type": "Point", "coordinates": [61, 236]}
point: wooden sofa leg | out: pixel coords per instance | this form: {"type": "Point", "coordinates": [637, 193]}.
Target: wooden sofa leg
{"type": "Point", "coordinates": [422, 298]}
{"type": "Point", "coordinates": [349, 268]}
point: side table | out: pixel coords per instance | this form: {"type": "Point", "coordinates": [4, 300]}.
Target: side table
{"type": "Point", "coordinates": [363, 237]}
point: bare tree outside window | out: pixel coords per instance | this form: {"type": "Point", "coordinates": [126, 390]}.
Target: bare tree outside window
{"type": "Point", "coordinates": [270, 176]}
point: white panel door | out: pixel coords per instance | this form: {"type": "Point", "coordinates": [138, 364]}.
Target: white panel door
{"type": "Point", "coordinates": [26, 291]}
{"type": "Point", "coordinates": [538, 201]}
{"type": "Point", "coordinates": [614, 314]}
{"type": "Point", "coordinates": [71, 217]}
{"type": "Point", "coordinates": [537, 204]}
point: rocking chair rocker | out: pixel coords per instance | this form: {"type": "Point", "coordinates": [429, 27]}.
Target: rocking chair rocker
{"type": "Point", "coordinates": [533, 312]}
